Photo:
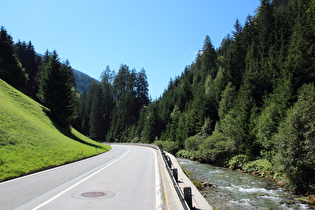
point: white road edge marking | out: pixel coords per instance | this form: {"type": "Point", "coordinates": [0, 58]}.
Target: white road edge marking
{"type": "Point", "coordinates": [158, 201]}
{"type": "Point", "coordinates": [69, 188]}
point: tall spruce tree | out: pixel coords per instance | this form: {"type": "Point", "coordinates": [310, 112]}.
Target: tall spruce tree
{"type": "Point", "coordinates": [208, 58]}
{"type": "Point", "coordinates": [142, 88]}
{"type": "Point", "coordinates": [97, 121]}
{"type": "Point", "coordinates": [108, 100]}
{"type": "Point", "coordinates": [57, 90]}
{"type": "Point", "coordinates": [236, 64]}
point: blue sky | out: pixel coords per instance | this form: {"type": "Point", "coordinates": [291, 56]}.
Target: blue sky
{"type": "Point", "coordinates": [160, 36]}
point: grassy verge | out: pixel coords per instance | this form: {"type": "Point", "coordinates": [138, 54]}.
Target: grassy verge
{"type": "Point", "coordinates": [30, 142]}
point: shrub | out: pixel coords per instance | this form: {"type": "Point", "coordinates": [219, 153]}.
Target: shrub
{"type": "Point", "coordinates": [217, 148]}
{"type": "Point", "coordinates": [135, 140]}
{"type": "Point", "coordinates": [262, 166]}
{"type": "Point", "coordinates": [192, 143]}
{"type": "Point", "coordinates": [168, 146]}
{"type": "Point", "coordinates": [238, 161]}
{"type": "Point", "coordinates": [184, 154]}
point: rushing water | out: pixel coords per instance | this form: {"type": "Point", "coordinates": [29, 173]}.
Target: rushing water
{"type": "Point", "coordinates": [238, 190]}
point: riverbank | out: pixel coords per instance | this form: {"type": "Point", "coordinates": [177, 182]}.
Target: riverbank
{"type": "Point", "coordinates": [233, 189]}
{"type": "Point", "coordinates": [264, 168]}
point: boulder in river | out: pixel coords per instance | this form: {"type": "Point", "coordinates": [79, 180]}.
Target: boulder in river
{"type": "Point", "coordinates": [206, 184]}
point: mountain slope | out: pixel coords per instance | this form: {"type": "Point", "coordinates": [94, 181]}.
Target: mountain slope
{"type": "Point", "coordinates": [29, 141]}
{"type": "Point", "coordinates": [82, 81]}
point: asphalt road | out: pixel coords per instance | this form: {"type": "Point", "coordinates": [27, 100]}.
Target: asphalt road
{"type": "Point", "coordinates": [127, 177]}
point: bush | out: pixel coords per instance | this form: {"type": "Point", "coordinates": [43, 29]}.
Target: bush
{"type": "Point", "coordinates": [135, 140]}
{"type": "Point", "coordinates": [238, 161]}
{"type": "Point", "coordinates": [217, 148]}
{"type": "Point", "coordinates": [184, 154]}
{"type": "Point", "coordinates": [193, 143]}
{"type": "Point", "coordinates": [262, 166]}
{"type": "Point", "coordinates": [168, 146]}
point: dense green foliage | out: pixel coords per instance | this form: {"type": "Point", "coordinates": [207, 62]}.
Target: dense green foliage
{"type": "Point", "coordinates": [30, 142]}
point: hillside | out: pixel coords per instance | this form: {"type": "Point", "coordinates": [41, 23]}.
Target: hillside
{"type": "Point", "coordinates": [82, 81]}
{"type": "Point", "coordinates": [29, 141]}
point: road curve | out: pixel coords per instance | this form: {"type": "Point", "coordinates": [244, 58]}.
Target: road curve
{"type": "Point", "coordinates": [126, 177]}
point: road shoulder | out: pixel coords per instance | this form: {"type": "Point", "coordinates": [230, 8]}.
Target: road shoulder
{"type": "Point", "coordinates": [172, 200]}
{"type": "Point", "coordinates": [198, 201]}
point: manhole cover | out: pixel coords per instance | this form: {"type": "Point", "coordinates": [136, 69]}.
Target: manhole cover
{"type": "Point", "coordinates": [93, 194]}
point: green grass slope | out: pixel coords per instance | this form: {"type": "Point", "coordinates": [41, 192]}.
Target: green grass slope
{"type": "Point", "coordinates": [29, 141]}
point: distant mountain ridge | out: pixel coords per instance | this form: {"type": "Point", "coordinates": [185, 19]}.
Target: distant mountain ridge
{"type": "Point", "coordinates": [82, 81]}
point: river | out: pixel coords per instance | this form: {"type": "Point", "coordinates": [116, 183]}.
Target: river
{"type": "Point", "coordinates": [238, 190]}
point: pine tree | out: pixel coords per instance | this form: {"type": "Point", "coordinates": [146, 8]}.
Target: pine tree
{"type": "Point", "coordinates": [142, 88]}
{"type": "Point", "coordinates": [265, 27]}
{"type": "Point", "coordinates": [150, 130]}
{"type": "Point", "coordinates": [11, 69]}
{"type": "Point", "coordinates": [208, 58]}
{"type": "Point", "coordinates": [97, 121]}
{"type": "Point", "coordinates": [228, 100]}
{"type": "Point", "coordinates": [28, 58]}
{"type": "Point", "coordinates": [235, 62]}
{"type": "Point", "coordinates": [84, 113]}
{"type": "Point", "coordinates": [108, 100]}
{"type": "Point", "coordinates": [56, 90]}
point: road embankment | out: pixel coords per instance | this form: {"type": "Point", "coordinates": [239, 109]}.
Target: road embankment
{"type": "Point", "coordinates": [198, 201]}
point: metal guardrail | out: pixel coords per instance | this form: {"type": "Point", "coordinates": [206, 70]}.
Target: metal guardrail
{"type": "Point", "coordinates": [177, 188]}
{"type": "Point", "coordinates": [168, 167]}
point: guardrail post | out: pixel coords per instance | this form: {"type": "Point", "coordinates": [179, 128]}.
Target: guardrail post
{"type": "Point", "coordinates": [163, 154]}
{"type": "Point", "coordinates": [169, 162]}
{"type": "Point", "coordinates": [188, 196]}
{"type": "Point", "coordinates": [175, 174]}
